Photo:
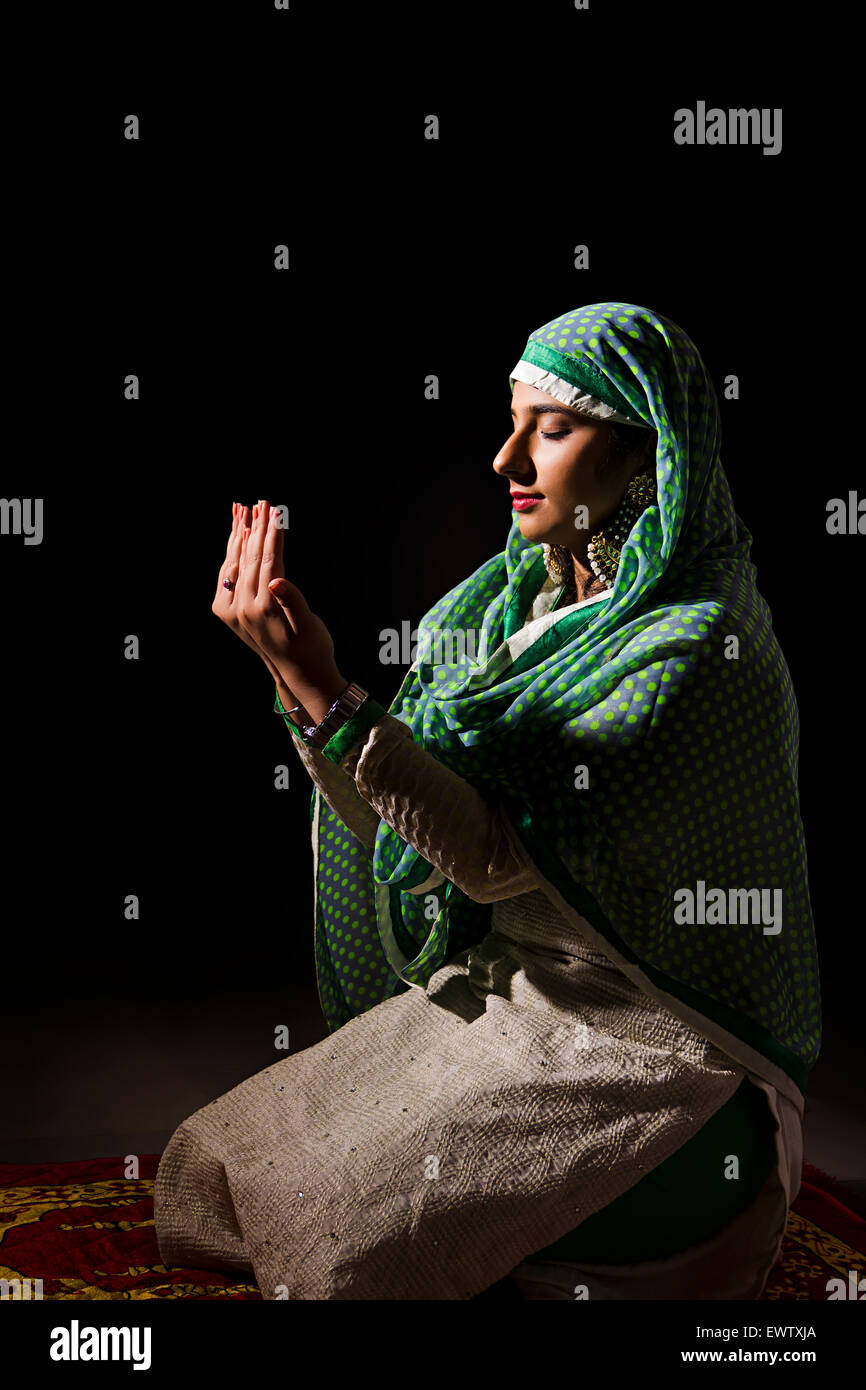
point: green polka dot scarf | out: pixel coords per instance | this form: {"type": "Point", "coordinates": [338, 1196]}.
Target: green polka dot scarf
{"type": "Point", "coordinates": [646, 759]}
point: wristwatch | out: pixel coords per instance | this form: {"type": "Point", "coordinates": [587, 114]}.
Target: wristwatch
{"type": "Point", "coordinates": [341, 710]}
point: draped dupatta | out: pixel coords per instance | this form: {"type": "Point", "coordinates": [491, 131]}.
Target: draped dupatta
{"type": "Point", "coordinates": [645, 748]}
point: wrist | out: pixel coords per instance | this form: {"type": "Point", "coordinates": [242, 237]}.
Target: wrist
{"type": "Point", "coordinates": [286, 694]}
{"type": "Point", "coordinates": [318, 698]}
{"type": "Point", "coordinates": [295, 713]}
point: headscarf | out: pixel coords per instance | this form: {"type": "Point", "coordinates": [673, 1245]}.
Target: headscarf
{"type": "Point", "coordinates": [675, 697]}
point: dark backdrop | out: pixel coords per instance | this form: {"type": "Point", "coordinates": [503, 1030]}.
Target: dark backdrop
{"type": "Point", "coordinates": [407, 257]}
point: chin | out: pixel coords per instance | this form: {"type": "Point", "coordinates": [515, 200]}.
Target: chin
{"type": "Point", "coordinates": [530, 523]}
{"type": "Point", "coordinates": [532, 529]}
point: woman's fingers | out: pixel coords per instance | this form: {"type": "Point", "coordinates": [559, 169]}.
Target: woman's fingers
{"type": "Point", "coordinates": [243, 526]}
{"type": "Point", "coordinates": [280, 613]}
{"type": "Point", "coordinates": [251, 606]}
{"type": "Point", "coordinates": [242, 585]}
{"type": "Point", "coordinates": [233, 554]}
{"type": "Point", "coordinates": [253, 553]}
{"type": "Point", "coordinates": [229, 568]}
{"type": "Point", "coordinates": [224, 605]}
{"type": "Point", "coordinates": [260, 561]}
{"type": "Point", "coordinates": [272, 552]}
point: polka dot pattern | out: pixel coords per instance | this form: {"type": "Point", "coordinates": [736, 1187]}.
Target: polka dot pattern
{"type": "Point", "coordinates": [692, 754]}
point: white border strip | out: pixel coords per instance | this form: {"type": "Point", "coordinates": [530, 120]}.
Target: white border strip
{"type": "Point", "coordinates": [572, 396]}
{"type": "Point", "coordinates": [392, 950]}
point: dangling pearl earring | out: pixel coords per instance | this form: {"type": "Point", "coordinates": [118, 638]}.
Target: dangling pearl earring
{"type": "Point", "coordinates": [605, 547]}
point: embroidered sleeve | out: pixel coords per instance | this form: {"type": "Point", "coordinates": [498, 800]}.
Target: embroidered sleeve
{"type": "Point", "coordinates": [340, 792]}
{"type": "Point", "coordinates": [456, 829]}
{"type": "Point", "coordinates": [386, 775]}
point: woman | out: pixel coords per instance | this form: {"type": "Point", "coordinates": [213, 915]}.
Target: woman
{"type": "Point", "coordinates": [563, 932]}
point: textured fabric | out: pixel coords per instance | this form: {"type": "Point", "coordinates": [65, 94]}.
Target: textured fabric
{"type": "Point", "coordinates": [348, 897]}
{"type": "Point", "coordinates": [572, 396]}
{"type": "Point", "coordinates": [673, 694]}
{"type": "Point", "coordinates": [690, 1197]}
{"type": "Point", "coordinates": [466, 837]}
{"type": "Point", "coordinates": [651, 1218]}
{"type": "Point", "coordinates": [434, 1143]}
{"type": "Point", "coordinates": [733, 1264]}
{"type": "Point", "coordinates": [631, 1086]}
{"type": "Point", "coordinates": [689, 1193]}
{"type": "Point", "coordinates": [387, 776]}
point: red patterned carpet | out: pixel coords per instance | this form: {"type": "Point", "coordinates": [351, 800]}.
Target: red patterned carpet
{"type": "Point", "coordinates": [87, 1232]}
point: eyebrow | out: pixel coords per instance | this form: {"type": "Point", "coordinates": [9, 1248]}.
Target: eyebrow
{"type": "Point", "coordinates": [550, 410]}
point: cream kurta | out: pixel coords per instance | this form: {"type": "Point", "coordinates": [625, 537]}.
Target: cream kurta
{"type": "Point", "coordinates": [431, 1144]}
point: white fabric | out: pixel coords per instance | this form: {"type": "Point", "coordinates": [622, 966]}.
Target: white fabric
{"type": "Point", "coordinates": [572, 396]}
{"type": "Point", "coordinates": [735, 1264]}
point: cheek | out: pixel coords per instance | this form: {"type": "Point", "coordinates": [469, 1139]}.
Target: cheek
{"type": "Point", "coordinates": [576, 481]}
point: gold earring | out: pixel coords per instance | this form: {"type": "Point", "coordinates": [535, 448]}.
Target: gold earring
{"type": "Point", "coordinates": [605, 547]}
{"type": "Point", "coordinates": [558, 561]}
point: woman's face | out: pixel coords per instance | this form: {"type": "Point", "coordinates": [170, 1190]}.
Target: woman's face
{"type": "Point", "coordinates": [557, 453]}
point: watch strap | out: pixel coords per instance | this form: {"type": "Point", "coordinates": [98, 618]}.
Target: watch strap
{"type": "Point", "coordinates": [346, 704]}
{"type": "Point", "coordinates": [358, 714]}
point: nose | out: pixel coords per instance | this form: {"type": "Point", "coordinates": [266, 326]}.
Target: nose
{"type": "Point", "coordinates": [513, 461]}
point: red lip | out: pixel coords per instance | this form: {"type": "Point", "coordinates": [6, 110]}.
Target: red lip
{"type": "Point", "coordinates": [527, 494]}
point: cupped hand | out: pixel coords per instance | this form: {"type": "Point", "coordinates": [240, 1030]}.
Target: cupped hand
{"type": "Point", "coordinates": [224, 604]}
{"type": "Point", "coordinates": [270, 613]}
